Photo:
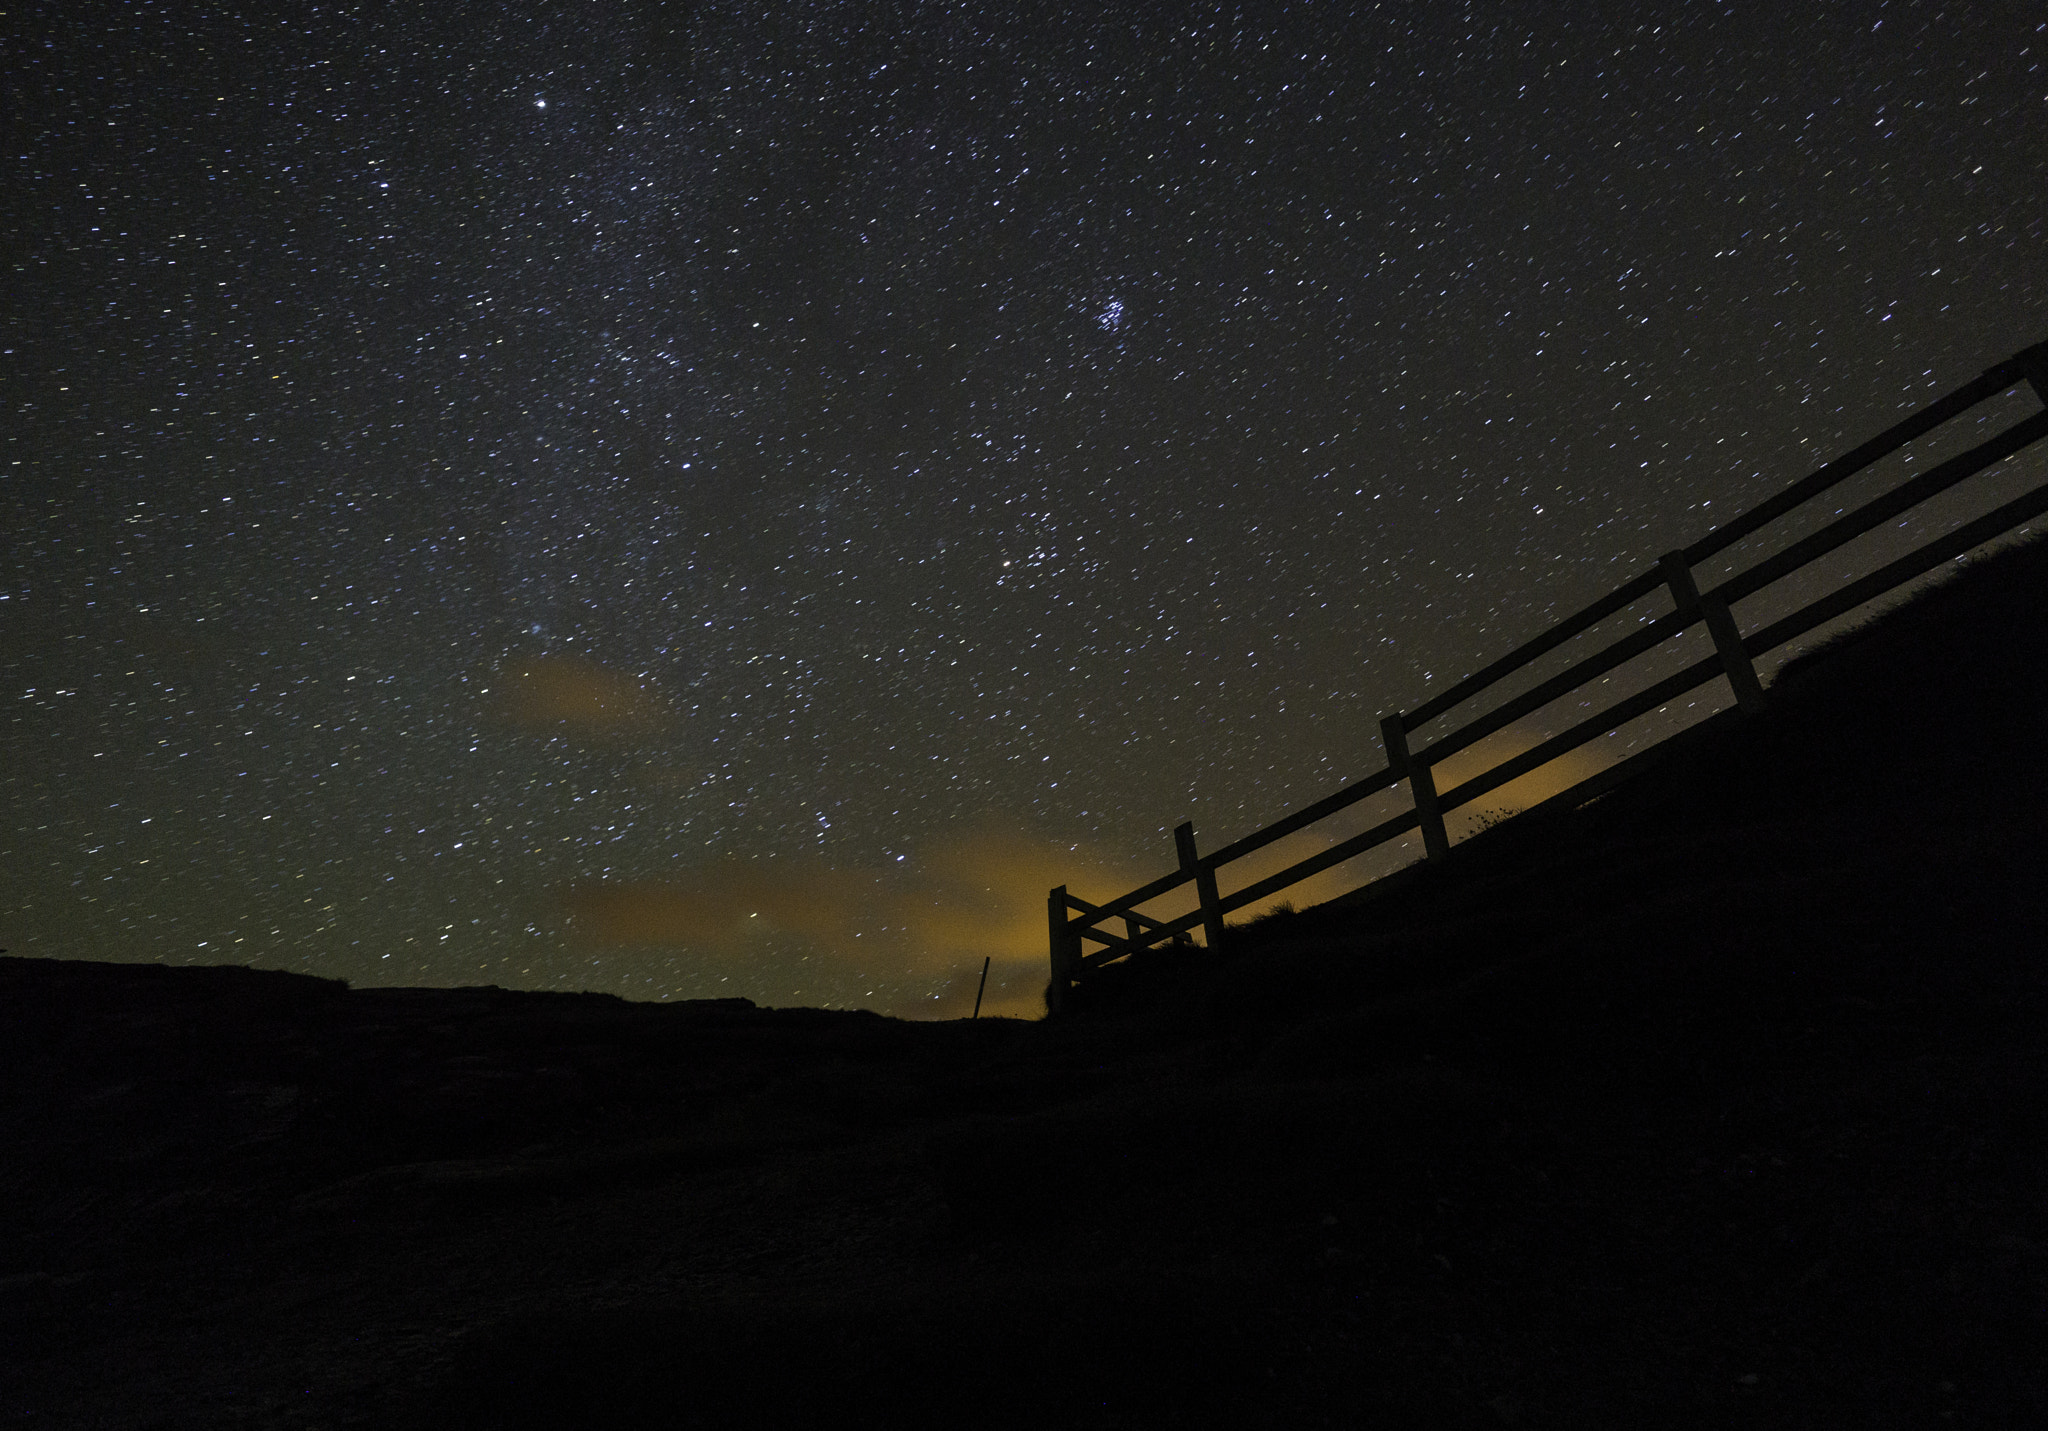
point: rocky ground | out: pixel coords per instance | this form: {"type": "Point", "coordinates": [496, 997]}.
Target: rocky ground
{"type": "Point", "coordinates": [1719, 1101]}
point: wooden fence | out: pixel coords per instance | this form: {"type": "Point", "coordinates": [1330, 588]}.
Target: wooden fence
{"type": "Point", "coordinates": [1073, 922]}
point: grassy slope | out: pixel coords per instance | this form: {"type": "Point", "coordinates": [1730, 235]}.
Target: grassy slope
{"type": "Point", "coordinates": [1737, 1072]}
{"type": "Point", "coordinates": [1719, 1100]}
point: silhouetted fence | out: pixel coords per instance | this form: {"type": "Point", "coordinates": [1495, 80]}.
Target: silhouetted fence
{"type": "Point", "coordinates": [1073, 921]}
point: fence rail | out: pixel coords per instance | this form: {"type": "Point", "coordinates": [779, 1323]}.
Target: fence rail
{"type": "Point", "coordinates": [1073, 922]}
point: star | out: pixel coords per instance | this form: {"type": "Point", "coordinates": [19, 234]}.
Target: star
{"type": "Point", "coordinates": [713, 504]}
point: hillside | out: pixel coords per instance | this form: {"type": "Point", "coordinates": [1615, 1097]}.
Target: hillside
{"type": "Point", "coordinates": [1719, 1100]}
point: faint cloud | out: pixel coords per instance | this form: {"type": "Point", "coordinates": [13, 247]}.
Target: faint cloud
{"type": "Point", "coordinates": [625, 912]}
{"type": "Point", "coordinates": [662, 775]}
{"type": "Point", "coordinates": [576, 696]}
{"type": "Point", "coordinates": [718, 903]}
{"type": "Point", "coordinates": [910, 938]}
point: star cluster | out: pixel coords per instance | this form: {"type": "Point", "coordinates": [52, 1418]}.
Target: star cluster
{"type": "Point", "coordinates": [738, 499]}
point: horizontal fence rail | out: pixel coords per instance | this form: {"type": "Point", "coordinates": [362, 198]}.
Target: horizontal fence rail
{"type": "Point", "coordinates": [1074, 923]}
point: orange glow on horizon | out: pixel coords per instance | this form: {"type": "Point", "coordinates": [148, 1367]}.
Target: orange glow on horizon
{"type": "Point", "coordinates": [1518, 794]}
{"type": "Point", "coordinates": [980, 895]}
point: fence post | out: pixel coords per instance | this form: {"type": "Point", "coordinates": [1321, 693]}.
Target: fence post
{"type": "Point", "coordinates": [1205, 884]}
{"type": "Point", "coordinates": [1421, 784]}
{"type": "Point", "coordinates": [1749, 692]}
{"type": "Point", "coordinates": [1066, 945]}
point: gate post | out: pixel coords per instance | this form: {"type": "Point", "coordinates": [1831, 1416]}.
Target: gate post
{"type": "Point", "coordinates": [1065, 948]}
{"type": "Point", "coordinates": [1749, 692]}
{"type": "Point", "coordinates": [1205, 884]}
{"type": "Point", "coordinates": [1421, 784]}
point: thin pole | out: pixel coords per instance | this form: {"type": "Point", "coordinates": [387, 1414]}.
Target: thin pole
{"type": "Point", "coordinates": [984, 983]}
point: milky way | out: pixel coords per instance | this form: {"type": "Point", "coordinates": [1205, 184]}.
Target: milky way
{"type": "Point", "coordinates": [738, 499]}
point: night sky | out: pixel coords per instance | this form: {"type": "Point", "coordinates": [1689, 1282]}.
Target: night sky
{"type": "Point", "coordinates": [738, 499]}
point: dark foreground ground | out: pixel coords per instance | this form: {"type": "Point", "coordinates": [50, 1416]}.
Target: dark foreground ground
{"type": "Point", "coordinates": [1721, 1101]}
